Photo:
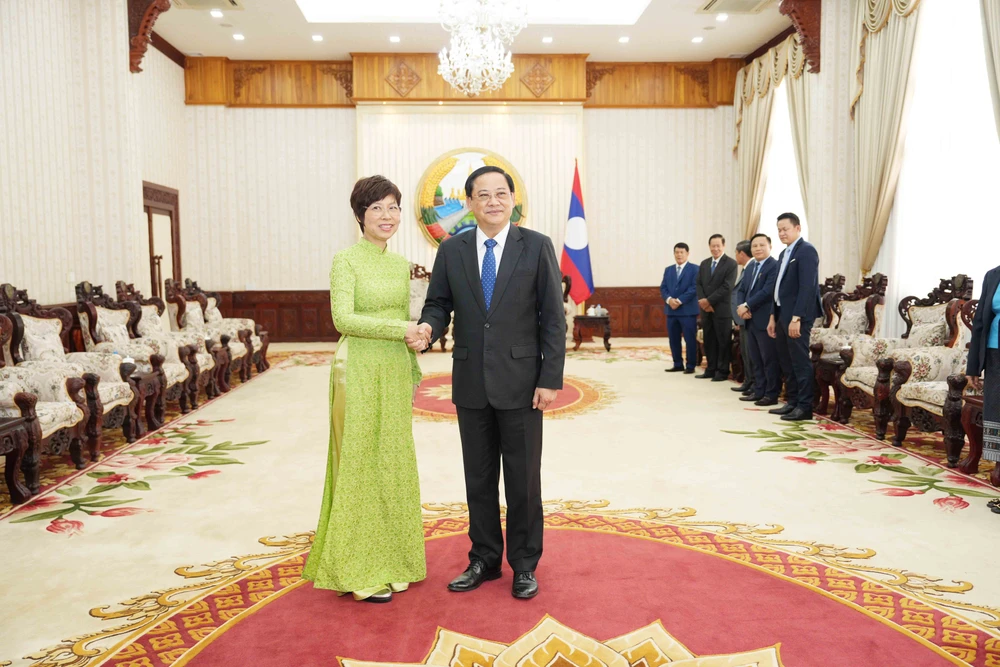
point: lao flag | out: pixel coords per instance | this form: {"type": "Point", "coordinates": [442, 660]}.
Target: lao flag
{"type": "Point", "coordinates": [575, 261]}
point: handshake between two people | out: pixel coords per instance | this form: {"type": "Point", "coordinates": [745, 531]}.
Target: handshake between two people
{"type": "Point", "coordinates": [418, 336]}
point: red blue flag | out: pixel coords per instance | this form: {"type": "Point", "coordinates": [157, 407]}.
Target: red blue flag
{"type": "Point", "coordinates": [575, 261]}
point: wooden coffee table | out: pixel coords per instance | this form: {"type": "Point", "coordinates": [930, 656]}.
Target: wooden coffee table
{"type": "Point", "coordinates": [21, 442]}
{"type": "Point", "coordinates": [592, 325]}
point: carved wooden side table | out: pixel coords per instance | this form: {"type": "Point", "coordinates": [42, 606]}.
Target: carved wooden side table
{"type": "Point", "coordinates": [592, 324]}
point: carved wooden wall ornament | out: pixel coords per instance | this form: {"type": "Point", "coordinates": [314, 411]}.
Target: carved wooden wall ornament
{"type": "Point", "coordinates": [243, 74]}
{"type": "Point", "coordinates": [538, 79]}
{"type": "Point", "coordinates": [403, 79]}
{"type": "Point", "coordinates": [142, 14]}
{"type": "Point", "coordinates": [806, 17]}
{"type": "Point", "coordinates": [344, 77]}
{"type": "Point", "coordinates": [595, 74]}
{"type": "Point", "coordinates": [699, 75]}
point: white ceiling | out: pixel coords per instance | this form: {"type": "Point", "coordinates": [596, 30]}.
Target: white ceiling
{"type": "Point", "coordinates": [277, 30]}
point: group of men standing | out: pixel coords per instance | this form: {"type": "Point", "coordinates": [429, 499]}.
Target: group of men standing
{"type": "Point", "coordinates": [773, 303]}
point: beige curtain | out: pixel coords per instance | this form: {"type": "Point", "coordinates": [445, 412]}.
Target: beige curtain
{"type": "Point", "coordinates": [991, 40]}
{"type": "Point", "coordinates": [755, 87]}
{"type": "Point", "coordinates": [799, 91]}
{"type": "Point", "coordinates": [885, 33]}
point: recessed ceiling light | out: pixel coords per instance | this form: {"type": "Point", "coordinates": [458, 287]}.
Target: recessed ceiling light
{"type": "Point", "coordinates": [394, 39]}
{"type": "Point", "coordinates": [239, 37]}
{"type": "Point", "coordinates": [623, 40]}
{"type": "Point", "coordinates": [546, 40]}
{"type": "Point", "coordinates": [317, 38]}
{"type": "Point", "coordinates": [216, 13]}
{"type": "Point", "coordinates": [721, 17]}
{"type": "Point", "coordinates": [697, 40]}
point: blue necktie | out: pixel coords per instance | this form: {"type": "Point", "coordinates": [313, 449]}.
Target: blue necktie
{"type": "Point", "coordinates": [714, 262]}
{"type": "Point", "coordinates": [756, 272]}
{"type": "Point", "coordinates": [488, 276]}
{"type": "Point", "coordinates": [679, 271]}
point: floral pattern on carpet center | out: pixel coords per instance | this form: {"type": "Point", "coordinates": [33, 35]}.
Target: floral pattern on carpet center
{"type": "Point", "coordinates": [899, 474]}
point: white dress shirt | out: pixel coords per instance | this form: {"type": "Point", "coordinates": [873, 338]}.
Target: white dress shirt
{"type": "Point", "coordinates": [678, 275]}
{"type": "Point", "coordinates": [785, 261]}
{"type": "Point", "coordinates": [501, 240]}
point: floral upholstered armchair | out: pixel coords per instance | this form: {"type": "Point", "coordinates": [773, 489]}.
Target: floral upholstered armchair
{"type": "Point", "coordinates": [928, 386]}
{"type": "Point", "coordinates": [259, 339]}
{"type": "Point", "coordinates": [201, 359]}
{"type": "Point", "coordinates": [187, 314]}
{"type": "Point", "coordinates": [61, 409]}
{"type": "Point", "coordinates": [832, 286]}
{"type": "Point", "coordinates": [857, 314]}
{"type": "Point", "coordinates": [931, 326]}
{"type": "Point", "coordinates": [420, 280]}
{"type": "Point", "coordinates": [41, 340]}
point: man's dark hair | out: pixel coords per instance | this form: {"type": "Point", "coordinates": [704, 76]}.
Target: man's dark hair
{"type": "Point", "coordinates": [716, 236]}
{"type": "Point", "coordinates": [743, 247]}
{"type": "Point", "coordinates": [790, 216]}
{"type": "Point", "coordinates": [369, 190]}
{"type": "Point", "coordinates": [682, 246]}
{"type": "Point", "coordinates": [471, 180]}
{"type": "Point", "coordinates": [760, 234]}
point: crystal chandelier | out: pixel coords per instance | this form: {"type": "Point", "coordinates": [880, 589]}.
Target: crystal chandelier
{"type": "Point", "coordinates": [480, 30]}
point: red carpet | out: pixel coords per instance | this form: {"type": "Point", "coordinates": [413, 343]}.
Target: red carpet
{"type": "Point", "coordinates": [601, 584]}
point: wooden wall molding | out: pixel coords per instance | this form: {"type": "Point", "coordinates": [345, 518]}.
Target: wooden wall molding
{"type": "Point", "coordinates": [665, 85]}
{"type": "Point", "coordinates": [142, 14]}
{"type": "Point", "coordinates": [167, 49]}
{"type": "Point", "coordinates": [771, 43]}
{"type": "Point", "coordinates": [806, 16]}
{"type": "Point", "coordinates": [413, 77]}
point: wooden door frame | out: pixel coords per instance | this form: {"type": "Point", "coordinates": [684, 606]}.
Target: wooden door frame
{"type": "Point", "coordinates": [161, 199]}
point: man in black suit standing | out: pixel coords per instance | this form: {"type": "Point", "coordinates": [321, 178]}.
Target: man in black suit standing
{"type": "Point", "coordinates": [745, 261]}
{"type": "Point", "coordinates": [796, 307]}
{"type": "Point", "coordinates": [716, 277]}
{"type": "Point", "coordinates": [503, 284]}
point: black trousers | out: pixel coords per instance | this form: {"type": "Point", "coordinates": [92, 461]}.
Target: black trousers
{"type": "Point", "coordinates": [718, 334]}
{"type": "Point", "coordinates": [749, 377]}
{"type": "Point", "coordinates": [765, 363]}
{"type": "Point", "coordinates": [515, 437]}
{"type": "Point", "coordinates": [793, 355]}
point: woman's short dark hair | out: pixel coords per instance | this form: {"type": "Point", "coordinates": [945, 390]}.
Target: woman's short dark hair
{"type": "Point", "coordinates": [760, 234]}
{"type": "Point", "coordinates": [791, 217]}
{"type": "Point", "coordinates": [682, 246]}
{"type": "Point", "coordinates": [369, 190]}
{"type": "Point", "coordinates": [471, 180]}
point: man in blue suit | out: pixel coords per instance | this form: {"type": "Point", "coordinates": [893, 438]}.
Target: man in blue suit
{"type": "Point", "coordinates": [796, 307]}
{"type": "Point", "coordinates": [679, 294]}
{"type": "Point", "coordinates": [756, 299]}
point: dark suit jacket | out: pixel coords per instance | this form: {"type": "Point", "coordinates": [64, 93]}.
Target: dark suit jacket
{"type": "Point", "coordinates": [981, 324]}
{"type": "Point", "coordinates": [683, 289]}
{"type": "Point", "coordinates": [760, 299]}
{"type": "Point", "coordinates": [502, 354]}
{"type": "Point", "coordinates": [799, 288]}
{"type": "Point", "coordinates": [733, 303]}
{"type": "Point", "coordinates": [717, 287]}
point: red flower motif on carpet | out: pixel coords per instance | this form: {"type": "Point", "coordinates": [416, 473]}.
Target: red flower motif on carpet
{"type": "Point", "coordinates": [121, 511]}
{"type": "Point", "coordinates": [159, 462]}
{"type": "Point", "coordinates": [801, 459]}
{"type": "Point", "coordinates": [65, 526]}
{"type": "Point", "coordinates": [951, 503]}
{"type": "Point", "coordinates": [829, 447]}
{"type": "Point", "coordinates": [959, 479]}
{"type": "Point", "coordinates": [116, 478]}
{"type": "Point", "coordinates": [898, 492]}
{"type": "Point", "coordinates": [884, 460]}
{"type": "Point", "coordinates": [38, 503]}
{"type": "Point", "coordinates": [831, 427]}
{"type": "Point", "coordinates": [203, 473]}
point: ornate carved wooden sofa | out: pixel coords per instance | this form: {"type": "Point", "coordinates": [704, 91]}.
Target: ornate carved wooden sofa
{"type": "Point", "coordinates": [259, 339]}
{"type": "Point", "coordinates": [833, 285]}
{"type": "Point", "coordinates": [41, 340]}
{"type": "Point", "coordinates": [928, 386]}
{"type": "Point", "coordinates": [187, 314]}
{"type": "Point", "coordinates": [931, 322]}
{"type": "Point", "coordinates": [203, 358]}
{"type": "Point", "coordinates": [61, 409]}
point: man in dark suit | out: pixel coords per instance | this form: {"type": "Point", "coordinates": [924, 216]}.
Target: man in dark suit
{"type": "Point", "coordinates": [714, 289]}
{"type": "Point", "coordinates": [756, 297]}
{"type": "Point", "coordinates": [745, 261]}
{"type": "Point", "coordinates": [679, 294]}
{"type": "Point", "coordinates": [796, 307]}
{"type": "Point", "coordinates": [503, 284]}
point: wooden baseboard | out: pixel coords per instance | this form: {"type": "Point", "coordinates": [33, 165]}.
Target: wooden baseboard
{"type": "Point", "coordinates": [634, 311]}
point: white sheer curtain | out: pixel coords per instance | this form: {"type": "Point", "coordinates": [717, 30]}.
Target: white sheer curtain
{"type": "Point", "coordinates": [944, 217]}
{"type": "Point", "coordinates": [782, 192]}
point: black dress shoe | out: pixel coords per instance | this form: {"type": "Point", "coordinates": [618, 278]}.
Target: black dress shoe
{"type": "Point", "coordinates": [689, 371]}
{"type": "Point", "coordinates": [766, 401]}
{"type": "Point", "coordinates": [720, 378]}
{"type": "Point", "coordinates": [783, 410]}
{"type": "Point", "coordinates": [473, 577]}
{"type": "Point", "coordinates": [525, 586]}
{"type": "Point", "coordinates": [797, 415]}
{"type": "Point", "coordinates": [672, 370]}
{"type": "Point", "coordinates": [751, 398]}
{"type": "Point", "coordinates": [705, 376]}
{"type": "Point", "coordinates": [742, 388]}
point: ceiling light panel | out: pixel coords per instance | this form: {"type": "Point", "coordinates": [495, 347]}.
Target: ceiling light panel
{"type": "Point", "coordinates": [540, 12]}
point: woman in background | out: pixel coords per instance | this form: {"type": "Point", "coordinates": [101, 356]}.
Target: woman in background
{"type": "Point", "coordinates": [370, 540]}
{"type": "Point", "coordinates": [984, 359]}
